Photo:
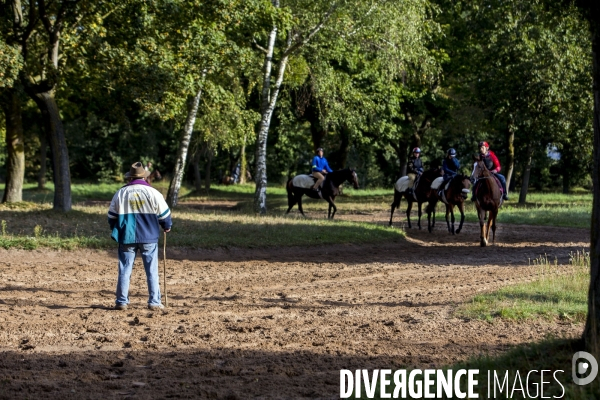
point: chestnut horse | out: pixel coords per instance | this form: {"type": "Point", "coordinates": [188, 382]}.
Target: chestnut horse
{"type": "Point", "coordinates": [423, 193]}
{"type": "Point", "coordinates": [155, 175]}
{"type": "Point", "coordinates": [488, 199]}
{"type": "Point", "coordinates": [455, 195]}
{"type": "Point", "coordinates": [328, 192]}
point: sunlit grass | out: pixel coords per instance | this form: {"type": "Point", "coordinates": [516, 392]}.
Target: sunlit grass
{"type": "Point", "coordinates": [558, 292]}
{"type": "Point", "coordinates": [30, 225]}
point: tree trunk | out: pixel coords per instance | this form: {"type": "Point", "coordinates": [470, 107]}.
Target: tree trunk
{"type": "Point", "coordinates": [58, 145]}
{"type": "Point", "coordinates": [510, 154]}
{"type": "Point", "coordinates": [591, 332]}
{"type": "Point", "coordinates": [344, 147]}
{"type": "Point", "coordinates": [402, 154]}
{"type": "Point", "coordinates": [197, 177]}
{"type": "Point", "coordinates": [184, 144]}
{"type": "Point", "coordinates": [43, 148]}
{"type": "Point", "coordinates": [526, 174]}
{"type": "Point", "coordinates": [209, 158]}
{"type": "Point", "coordinates": [267, 106]}
{"type": "Point", "coordinates": [243, 162]}
{"type": "Point", "coordinates": [15, 162]}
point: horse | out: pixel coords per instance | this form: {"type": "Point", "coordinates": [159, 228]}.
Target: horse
{"type": "Point", "coordinates": [422, 194]}
{"type": "Point", "coordinates": [155, 175]}
{"type": "Point", "coordinates": [454, 193]}
{"type": "Point", "coordinates": [488, 199]}
{"type": "Point", "coordinates": [328, 192]}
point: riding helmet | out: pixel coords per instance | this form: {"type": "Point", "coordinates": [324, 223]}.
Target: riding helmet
{"type": "Point", "coordinates": [416, 150]}
{"type": "Point", "coordinates": [484, 144]}
{"type": "Point", "coordinates": [451, 152]}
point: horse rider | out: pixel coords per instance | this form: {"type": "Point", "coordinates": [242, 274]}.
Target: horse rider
{"type": "Point", "coordinates": [450, 166]}
{"type": "Point", "coordinates": [492, 163]}
{"type": "Point", "coordinates": [414, 169]}
{"type": "Point", "coordinates": [320, 168]}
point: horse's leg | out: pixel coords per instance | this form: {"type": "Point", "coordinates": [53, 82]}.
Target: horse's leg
{"type": "Point", "coordinates": [493, 216]}
{"type": "Point", "coordinates": [332, 205]}
{"type": "Point", "coordinates": [395, 204]}
{"type": "Point", "coordinates": [408, 210]}
{"type": "Point", "coordinates": [291, 202]}
{"type": "Point", "coordinates": [300, 205]}
{"type": "Point", "coordinates": [482, 225]}
{"type": "Point", "coordinates": [452, 216]}
{"type": "Point", "coordinates": [420, 212]}
{"type": "Point", "coordinates": [488, 226]}
{"type": "Point", "coordinates": [431, 209]}
{"type": "Point", "coordinates": [447, 219]}
{"type": "Point", "coordinates": [461, 208]}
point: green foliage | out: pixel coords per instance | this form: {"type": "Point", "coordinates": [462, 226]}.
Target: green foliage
{"type": "Point", "coordinates": [10, 63]}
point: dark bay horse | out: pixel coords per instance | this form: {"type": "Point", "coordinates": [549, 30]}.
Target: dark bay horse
{"type": "Point", "coordinates": [423, 193]}
{"type": "Point", "coordinates": [455, 195]}
{"type": "Point", "coordinates": [488, 199]}
{"type": "Point", "coordinates": [155, 175]}
{"type": "Point", "coordinates": [329, 191]}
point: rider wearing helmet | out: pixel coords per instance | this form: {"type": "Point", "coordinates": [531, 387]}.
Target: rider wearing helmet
{"type": "Point", "coordinates": [492, 164]}
{"type": "Point", "coordinates": [450, 165]}
{"type": "Point", "coordinates": [414, 168]}
{"type": "Point", "coordinates": [320, 167]}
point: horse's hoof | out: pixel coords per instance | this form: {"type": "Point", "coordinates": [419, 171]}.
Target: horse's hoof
{"type": "Point", "coordinates": [457, 231]}
{"type": "Point", "coordinates": [483, 243]}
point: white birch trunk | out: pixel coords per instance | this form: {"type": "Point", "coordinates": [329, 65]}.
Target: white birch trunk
{"type": "Point", "coordinates": [192, 111]}
{"type": "Point", "coordinates": [260, 195]}
{"type": "Point", "coordinates": [269, 101]}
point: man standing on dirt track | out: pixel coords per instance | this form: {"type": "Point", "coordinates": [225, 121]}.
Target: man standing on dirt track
{"type": "Point", "coordinates": [136, 213]}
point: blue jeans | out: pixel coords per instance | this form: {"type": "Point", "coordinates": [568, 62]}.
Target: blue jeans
{"type": "Point", "coordinates": [503, 182]}
{"type": "Point", "coordinates": [127, 253]}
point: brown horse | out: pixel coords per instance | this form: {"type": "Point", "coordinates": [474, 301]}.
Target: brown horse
{"type": "Point", "coordinates": [329, 191]}
{"type": "Point", "coordinates": [488, 199]}
{"type": "Point", "coordinates": [422, 194]}
{"type": "Point", "coordinates": [455, 195]}
{"type": "Point", "coordinates": [155, 175]}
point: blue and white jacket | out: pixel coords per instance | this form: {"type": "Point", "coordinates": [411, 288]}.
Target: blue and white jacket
{"type": "Point", "coordinates": [135, 213]}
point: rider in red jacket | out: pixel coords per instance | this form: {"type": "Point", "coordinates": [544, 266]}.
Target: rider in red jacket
{"type": "Point", "coordinates": [492, 164]}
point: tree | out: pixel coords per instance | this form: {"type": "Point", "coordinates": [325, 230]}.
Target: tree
{"type": "Point", "coordinates": [10, 99]}
{"type": "Point", "coordinates": [37, 30]}
{"type": "Point", "coordinates": [591, 333]}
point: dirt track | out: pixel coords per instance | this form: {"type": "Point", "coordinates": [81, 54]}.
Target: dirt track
{"type": "Point", "coordinates": [271, 323]}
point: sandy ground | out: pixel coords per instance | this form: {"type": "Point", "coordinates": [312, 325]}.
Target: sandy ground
{"type": "Point", "coordinates": [267, 323]}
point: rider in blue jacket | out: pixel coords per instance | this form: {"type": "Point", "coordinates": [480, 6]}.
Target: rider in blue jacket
{"type": "Point", "coordinates": [450, 165]}
{"type": "Point", "coordinates": [320, 168]}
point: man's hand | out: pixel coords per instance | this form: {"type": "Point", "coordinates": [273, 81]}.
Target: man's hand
{"type": "Point", "coordinates": [324, 171]}
{"type": "Point", "coordinates": [167, 230]}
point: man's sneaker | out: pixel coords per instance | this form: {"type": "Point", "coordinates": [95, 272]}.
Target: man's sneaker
{"type": "Point", "coordinates": [121, 307]}
{"type": "Point", "coordinates": [156, 307]}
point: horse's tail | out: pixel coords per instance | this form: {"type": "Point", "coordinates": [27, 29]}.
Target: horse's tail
{"type": "Point", "coordinates": [290, 194]}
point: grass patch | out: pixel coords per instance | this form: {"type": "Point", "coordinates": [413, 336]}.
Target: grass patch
{"type": "Point", "coordinates": [31, 225]}
{"type": "Point", "coordinates": [559, 292]}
